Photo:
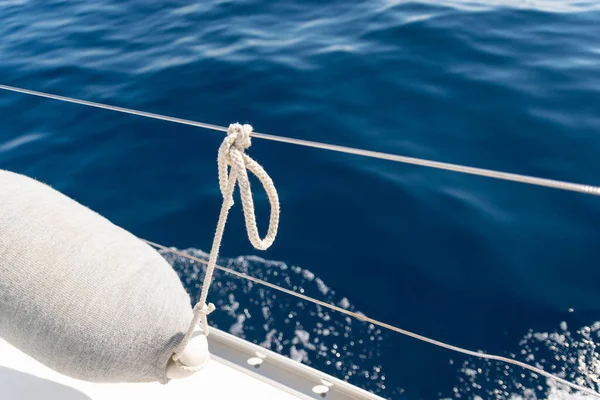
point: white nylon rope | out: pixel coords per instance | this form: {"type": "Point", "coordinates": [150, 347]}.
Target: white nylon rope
{"type": "Point", "coordinates": [531, 180]}
{"type": "Point", "coordinates": [233, 164]}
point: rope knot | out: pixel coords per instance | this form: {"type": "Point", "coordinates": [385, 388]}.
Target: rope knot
{"type": "Point", "coordinates": [241, 134]}
{"type": "Point", "coordinates": [204, 309]}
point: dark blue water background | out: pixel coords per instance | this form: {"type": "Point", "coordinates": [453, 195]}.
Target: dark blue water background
{"type": "Point", "coordinates": [509, 85]}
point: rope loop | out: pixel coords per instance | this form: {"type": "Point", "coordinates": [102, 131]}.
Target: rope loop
{"type": "Point", "coordinates": [233, 166]}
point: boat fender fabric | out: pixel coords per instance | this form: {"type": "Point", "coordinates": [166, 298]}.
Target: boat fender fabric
{"type": "Point", "coordinates": [82, 295]}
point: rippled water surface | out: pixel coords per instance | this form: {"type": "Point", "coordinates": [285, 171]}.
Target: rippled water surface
{"type": "Point", "coordinates": [497, 266]}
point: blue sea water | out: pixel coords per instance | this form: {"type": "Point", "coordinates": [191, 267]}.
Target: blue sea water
{"type": "Point", "coordinates": [488, 265]}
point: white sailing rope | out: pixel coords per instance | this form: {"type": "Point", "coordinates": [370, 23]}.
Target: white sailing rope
{"type": "Point", "coordinates": [551, 183]}
{"type": "Point", "coordinates": [233, 165]}
{"type": "Point", "coordinates": [230, 154]}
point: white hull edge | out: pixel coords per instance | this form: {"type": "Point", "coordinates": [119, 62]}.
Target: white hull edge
{"type": "Point", "coordinates": [228, 375]}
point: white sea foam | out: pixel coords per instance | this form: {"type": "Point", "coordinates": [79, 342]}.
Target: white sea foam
{"type": "Point", "coordinates": [305, 332]}
{"type": "Point", "coordinates": [570, 355]}
{"type": "Point", "coordinates": [335, 343]}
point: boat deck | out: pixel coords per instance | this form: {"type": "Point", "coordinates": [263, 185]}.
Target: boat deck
{"type": "Point", "coordinates": [237, 370]}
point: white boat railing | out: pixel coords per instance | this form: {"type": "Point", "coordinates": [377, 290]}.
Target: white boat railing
{"type": "Point", "coordinates": [507, 176]}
